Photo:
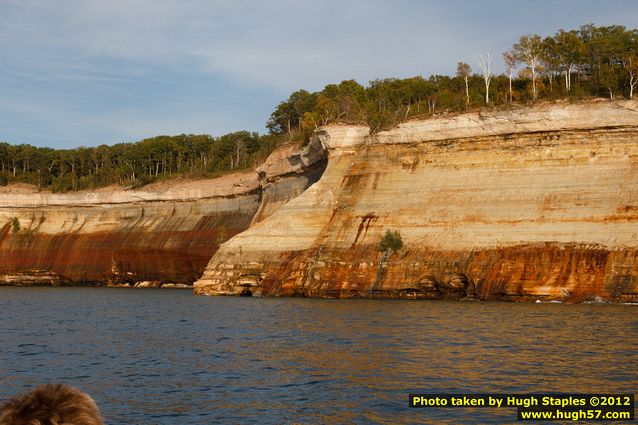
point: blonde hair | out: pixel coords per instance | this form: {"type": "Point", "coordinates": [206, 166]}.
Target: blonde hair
{"type": "Point", "coordinates": [51, 404]}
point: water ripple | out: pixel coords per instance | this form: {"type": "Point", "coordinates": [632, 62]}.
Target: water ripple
{"type": "Point", "coordinates": [166, 357]}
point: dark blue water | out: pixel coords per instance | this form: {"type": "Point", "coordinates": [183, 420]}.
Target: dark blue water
{"type": "Point", "coordinates": [167, 357]}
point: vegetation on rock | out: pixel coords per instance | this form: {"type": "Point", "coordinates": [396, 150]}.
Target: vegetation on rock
{"type": "Point", "coordinates": [133, 164]}
{"type": "Point", "coordinates": [577, 64]}
{"type": "Point", "coordinates": [15, 225]}
{"type": "Point", "coordinates": [391, 241]}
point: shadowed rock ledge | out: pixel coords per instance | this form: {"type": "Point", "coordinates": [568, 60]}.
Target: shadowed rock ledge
{"type": "Point", "coordinates": [161, 235]}
{"type": "Point", "coordinates": [535, 203]}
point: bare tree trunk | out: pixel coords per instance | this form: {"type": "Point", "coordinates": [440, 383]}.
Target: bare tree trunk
{"type": "Point", "coordinates": [467, 93]}
{"type": "Point", "coordinates": [486, 67]}
{"type": "Point", "coordinates": [431, 104]}
{"type": "Point", "coordinates": [569, 77]}
{"type": "Point", "coordinates": [533, 68]}
{"type": "Point", "coordinates": [533, 82]}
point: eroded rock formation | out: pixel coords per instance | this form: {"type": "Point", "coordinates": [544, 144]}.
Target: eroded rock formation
{"type": "Point", "coordinates": [536, 203]}
{"type": "Point", "coordinates": [163, 234]}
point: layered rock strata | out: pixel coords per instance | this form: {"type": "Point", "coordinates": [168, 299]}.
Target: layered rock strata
{"type": "Point", "coordinates": [536, 203]}
{"type": "Point", "coordinates": [163, 234]}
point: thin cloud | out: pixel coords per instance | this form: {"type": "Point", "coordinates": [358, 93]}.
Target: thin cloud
{"type": "Point", "coordinates": [93, 71]}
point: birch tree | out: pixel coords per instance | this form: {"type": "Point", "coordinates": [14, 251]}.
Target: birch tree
{"type": "Point", "coordinates": [509, 57]}
{"type": "Point", "coordinates": [463, 70]}
{"type": "Point", "coordinates": [630, 62]}
{"type": "Point", "coordinates": [485, 63]}
{"type": "Point", "coordinates": [528, 51]}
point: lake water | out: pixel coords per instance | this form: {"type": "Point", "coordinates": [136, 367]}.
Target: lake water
{"type": "Point", "coordinates": [167, 357]}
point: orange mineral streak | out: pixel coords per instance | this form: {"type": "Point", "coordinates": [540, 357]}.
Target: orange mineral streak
{"type": "Point", "coordinates": [538, 203]}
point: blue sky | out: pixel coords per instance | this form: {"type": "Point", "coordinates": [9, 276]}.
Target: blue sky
{"type": "Point", "coordinates": [91, 72]}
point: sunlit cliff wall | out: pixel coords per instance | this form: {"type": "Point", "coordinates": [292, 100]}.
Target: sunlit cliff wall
{"type": "Point", "coordinates": [535, 203]}
{"type": "Point", "coordinates": [165, 233]}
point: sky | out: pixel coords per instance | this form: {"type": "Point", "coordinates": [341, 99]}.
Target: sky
{"type": "Point", "coordinates": [90, 72]}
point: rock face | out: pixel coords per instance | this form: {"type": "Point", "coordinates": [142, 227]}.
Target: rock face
{"type": "Point", "coordinates": [165, 233]}
{"type": "Point", "coordinates": [538, 203]}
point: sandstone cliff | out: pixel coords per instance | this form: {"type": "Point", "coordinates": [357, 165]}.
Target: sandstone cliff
{"type": "Point", "coordinates": [536, 203]}
{"type": "Point", "coordinates": [163, 233]}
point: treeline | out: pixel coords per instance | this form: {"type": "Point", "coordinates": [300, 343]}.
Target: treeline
{"type": "Point", "coordinates": [578, 64]}
{"type": "Point", "coordinates": [132, 164]}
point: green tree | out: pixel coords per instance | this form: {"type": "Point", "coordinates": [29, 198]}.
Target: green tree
{"type": "Point", "coordinates": [15, 225]}
{"type": "Point", "coordinates": [391, 241]}
{"type": "Point", "coordinates": [222, 235]}
{"type": "Point", "coordinates": [289, 114]}
{"type": "Point", "coordinates": [570, 50]}
{"type": "Point", "coordinates": [528, 50]}
{"type": "Point", "coordinates": [550, 60]}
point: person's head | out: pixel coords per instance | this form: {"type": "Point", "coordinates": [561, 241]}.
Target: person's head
{"type": "Point", "coordinates": [51, 404]}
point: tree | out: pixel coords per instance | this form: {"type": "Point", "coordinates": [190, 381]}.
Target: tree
{"type": "Point", "coordinates": [605, 47]}
{"type": "Point", "coordinates": [391, 100]}
{"type": "Point", "coordinates": [550, 60]}
{"type": "Point", "coordinates": [486, 71]}
{"type": "Point", "coordinates": [630, 62]}
{"type": "Point", "coordinates": [348, 99]}
{"type": "Point", "coordinates": [15, 224]}
{"type": "Point", "coordinates": [609, 78]}
{"type": "Point", "coordinates": [509, 57]}
{"type": "Point", "coordinates": [288, 115]}
{"type": "Point", "coordinates": [222, 235]}
{"type": "Point", "coordinates": [391, 241]}
{"type": "Point", "coordinates": [463, 70]}
{"type": "Point", "coordinates": [528, 51]}
{"type": "Point", "coordinates": [570, 50]}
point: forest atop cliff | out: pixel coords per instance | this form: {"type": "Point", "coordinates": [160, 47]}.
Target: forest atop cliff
{"type": "Point", "coordinates": [575, 65]}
